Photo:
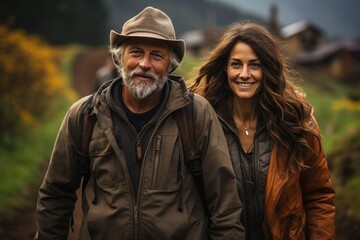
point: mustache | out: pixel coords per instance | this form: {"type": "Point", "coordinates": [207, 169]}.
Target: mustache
{"type": "Point", "coordinates": [141, 73]}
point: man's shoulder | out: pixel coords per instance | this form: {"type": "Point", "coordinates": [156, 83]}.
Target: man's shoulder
{"type": "Point", "coordinates": [80, 103]}
{"type": "Point", "coordinates": [200, 101]}
{"type": "Point", "coordinates": [78, 107]}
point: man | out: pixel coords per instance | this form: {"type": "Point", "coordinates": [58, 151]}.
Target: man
{"type": "Point", "coordinates": [139, 186]}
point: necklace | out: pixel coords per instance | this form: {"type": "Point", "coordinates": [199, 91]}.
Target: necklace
{"type": "Point", "coordinates": [247, 128]}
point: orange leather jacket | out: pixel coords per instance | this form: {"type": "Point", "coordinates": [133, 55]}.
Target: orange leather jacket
{"type": "Point", "coordinates": [298, 204]}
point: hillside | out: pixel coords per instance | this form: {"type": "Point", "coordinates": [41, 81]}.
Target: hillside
{"type": "Point", "coordinates": [185, 14]}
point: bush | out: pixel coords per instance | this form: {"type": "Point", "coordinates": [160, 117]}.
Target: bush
{"type": "Point", "coordinates": [30, 79]}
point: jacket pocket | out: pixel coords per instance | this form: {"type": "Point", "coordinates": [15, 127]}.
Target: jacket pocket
{"type": "Point", "coordinates": [159, 210]}
{"type": "Point", "coordinates": [293, 227]}
{"type": "Point", "coordinates": [165, 163]}
{"type": "Point", "coordinates": [104, 164]}
{"type": "Point", "coordinates": [296, 230]}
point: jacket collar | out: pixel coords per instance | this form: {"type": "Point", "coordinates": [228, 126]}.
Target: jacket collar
{"type": "Point", "coordinates": [175, 94]}
{"type": "Point", "coordinates": [223, 108]}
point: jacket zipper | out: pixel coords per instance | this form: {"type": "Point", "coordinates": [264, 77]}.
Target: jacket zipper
{"type": "Point", "coordinates": [138, 200]}
{"type": "Point", "coordinates": [136, 222]}
{"type": "Point", "coordinates": [139, 157]}
{"type": "Point", "coordinates": [112, 141]}
{"type": "Point", "coordinates": [256, 173]}
{"type": "Point", "coordinates": [257, 183]}
{"type": "Point", "coordinates": [156, 161]}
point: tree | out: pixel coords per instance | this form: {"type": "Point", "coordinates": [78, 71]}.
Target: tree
{"type": "Point", "coordinates": [58, 21]}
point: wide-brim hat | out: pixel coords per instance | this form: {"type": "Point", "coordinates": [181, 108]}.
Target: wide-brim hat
{"type": "Point", "coordinates": [149, 23]}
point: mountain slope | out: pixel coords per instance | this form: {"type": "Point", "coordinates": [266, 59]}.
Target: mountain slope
{"type": "Point", "coordinates": [185, 14]}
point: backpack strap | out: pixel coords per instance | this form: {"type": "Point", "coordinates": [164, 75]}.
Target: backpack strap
{"type": "Point", "coordinates": [87, 127]}
{"type": "Point", "coordinates": [85, 137]}
{"type": "Point", "coordinates": [185, 121]}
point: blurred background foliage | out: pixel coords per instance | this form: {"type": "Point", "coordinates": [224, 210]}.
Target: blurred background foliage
{"type": "Point", "coordinates": [33, 94]}
{"type": "Point", "coordinates": [40, 42]}
{"type": "Point", "coordinates": [58, 21]}
{"type": "Point", "coordinates": [30, 79]}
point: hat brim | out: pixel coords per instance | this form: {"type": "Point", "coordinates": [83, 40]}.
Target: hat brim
{"type": "Point", "coordinates": [178, 45]}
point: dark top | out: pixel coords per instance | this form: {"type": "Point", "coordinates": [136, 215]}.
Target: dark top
{"type": "Point", "coordinates": [133, 131]}
{"type": "Point", "coordinates": [254, 167]}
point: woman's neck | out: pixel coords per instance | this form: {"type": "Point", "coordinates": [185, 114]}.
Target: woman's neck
{"type": "Point", "coordinates": [244, 111]}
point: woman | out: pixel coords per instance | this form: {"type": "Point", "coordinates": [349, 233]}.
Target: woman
{"type": "Point", "coordinates": [274, 141]}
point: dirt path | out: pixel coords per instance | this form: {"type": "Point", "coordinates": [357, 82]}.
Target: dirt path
{"type": "Point", "coordinates": [21, 225]}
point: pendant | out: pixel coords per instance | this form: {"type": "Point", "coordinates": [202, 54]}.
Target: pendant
{"type": "Point", "coordinates": [246, 132]}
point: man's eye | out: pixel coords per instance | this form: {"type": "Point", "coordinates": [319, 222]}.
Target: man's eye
{"type": "Point", "coordinates": [157, 56]}
{"type": "Point", "coordinates": [135, 53]}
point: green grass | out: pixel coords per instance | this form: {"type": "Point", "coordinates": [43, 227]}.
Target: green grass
{"type": "Point", "coordinates": [22, 164]}
{"type": "Point", "coordinates": [187, 66]}
{"type": "Point", "coordinates": [325, 94]}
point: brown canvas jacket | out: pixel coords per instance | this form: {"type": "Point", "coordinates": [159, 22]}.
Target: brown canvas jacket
{"type": "Point", "coordinates": [165, 183]}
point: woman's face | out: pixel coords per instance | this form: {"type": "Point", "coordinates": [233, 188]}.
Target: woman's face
{"type": "Point", "coordinates": [244, 71]}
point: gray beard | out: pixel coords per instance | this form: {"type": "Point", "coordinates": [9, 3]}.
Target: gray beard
{"type": "Point", "coordinates": [143, 89]}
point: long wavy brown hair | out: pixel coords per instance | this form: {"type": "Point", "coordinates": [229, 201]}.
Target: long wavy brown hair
{"type": "Point", "coordinates": [281, 104]}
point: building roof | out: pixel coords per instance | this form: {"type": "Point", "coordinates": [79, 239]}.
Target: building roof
{"type": "Point", "coordinates": [328, 50]}
{"type": "Point", "coordinates": [193, 38]}
{"type": "Point", "coordinates": [297, 27]}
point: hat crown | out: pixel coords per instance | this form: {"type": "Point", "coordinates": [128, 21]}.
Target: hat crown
{"type": "Point", "coordinates": [152, 21]}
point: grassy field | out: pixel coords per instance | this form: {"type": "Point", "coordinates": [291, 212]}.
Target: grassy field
{"type": "Point", "coordinates": [336, 113]}
{"type": "Point", "coordinates": [20, 166]}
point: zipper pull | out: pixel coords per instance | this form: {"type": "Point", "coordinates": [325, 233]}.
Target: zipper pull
{"type": "Point", "coordinates": [139, 151]}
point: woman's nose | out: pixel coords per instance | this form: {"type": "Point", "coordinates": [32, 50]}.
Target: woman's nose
{"type": "Point", "coordinates": [244, 73]}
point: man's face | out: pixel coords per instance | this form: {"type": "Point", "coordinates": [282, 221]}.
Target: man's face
{"type": "Point", "coordinates": [145, 65]}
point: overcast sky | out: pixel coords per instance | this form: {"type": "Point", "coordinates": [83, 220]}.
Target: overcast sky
{"type": "Point", "coordinates": [338, 18]}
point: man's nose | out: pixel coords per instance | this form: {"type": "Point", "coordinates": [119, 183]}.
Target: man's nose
{"type": "Point", "coordinates": [145, 62]}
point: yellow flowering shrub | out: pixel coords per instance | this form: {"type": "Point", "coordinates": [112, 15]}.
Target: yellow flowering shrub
{"type": "Point", "coordinates": [29, 80]}
{"type": "Point", "coordinates": [347, 104]}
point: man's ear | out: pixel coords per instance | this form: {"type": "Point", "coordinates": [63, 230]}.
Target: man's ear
{"type": "Point", "coordinates": [115, 60]}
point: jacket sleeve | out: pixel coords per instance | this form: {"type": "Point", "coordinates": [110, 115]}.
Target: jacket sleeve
{"type": "Point", "coordinates": [219, 178]}
{"type": "Point", "coordinates": [57, 193]}
{"type": "Point", "coordinates": [317, 192]}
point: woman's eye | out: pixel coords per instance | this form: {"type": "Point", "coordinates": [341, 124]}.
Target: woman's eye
{"type": "Point", "coordinates": [236, 64]}
{"type": "Point", "coordinates": [255, 65]}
